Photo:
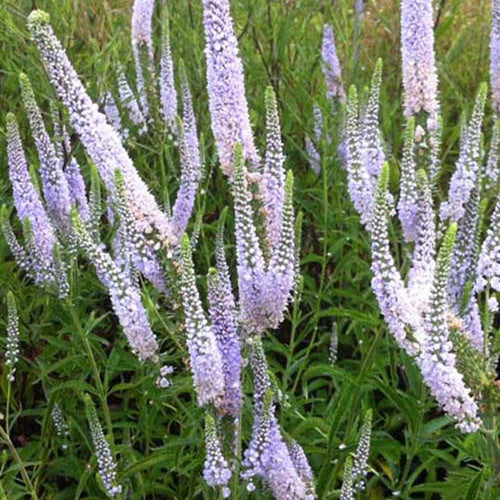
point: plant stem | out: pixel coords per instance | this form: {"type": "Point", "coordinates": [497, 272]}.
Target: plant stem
{"type": "Point", "coordinates": [27, 481]}
{"type": "Point", "coordinates": [95, 371]}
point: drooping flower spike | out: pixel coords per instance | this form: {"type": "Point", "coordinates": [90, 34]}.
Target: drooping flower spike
{"type": "Point", "coordinates": [130, 103]}
{"type": "Point", "coordinates": [124, 294]}
{"type": "Point", "coordinates": [226, 87]}
{"type": "Point", "coordinates": [30, 210]}
{"type": "Point", "coordinates": [98, 137]}
{"type": "Point", "coordinates": [54, 183]}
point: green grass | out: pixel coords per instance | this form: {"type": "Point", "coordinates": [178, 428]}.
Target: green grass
{"type": "Point", "coordinates": [157, 434]}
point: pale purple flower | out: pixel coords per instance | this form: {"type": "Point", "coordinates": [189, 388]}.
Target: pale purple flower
{"type": "Point", "coordinates": [495, 56]}
{"type": "Point", "coordinates": [331, 65]}
{"type": "Point", "coordinates": [465, 250]}
{"type": "Point", "coordinates": [437, 361]}
{"type": "Point", "coordinates": [29, 206]}
{"type": "Point", "coordinates": [216, 469]}
{"type": "Point", "coordinates": [105, 461]}
{"type": "Point", "coordinates": [72, 171]}
{"type": "Point", "coordinates": [272, 182]}
{"type": "Point", "coordinates": [129, 103]}
{"type": "Point", "coordinates": [407, 204]}
{"type": "Point", "coordinates": [422, 270]}
{"type": "Point", "coordinates": [222, 311]}
{"type": "Point", "coordinates": [264, 286]}
{"type": "Point", "coordinates": [314, 156]}
{"type": "Point", "coordinates": [206, 362]}
{"type": "Point", "coordinates": [54, 183]}
{"type": "Point", "coordinates": [419, 68]}
{"type": "Point", "coordinates": [168, 94]}
{"type": "Point", "coordinates": [303, 468]}
{"type": "Point", "coordinates": [488, 265]}
{"type": "Point", "coordinates": [493, 305]}
{"type": "Point", "coordinates": [99, 138]}
{"type": "Point", "coordinates": [190, 163]}
{"type": "Point", "coordinates": [142, 42]}
{"type": "Point", "coordinates": [267, 455]}
{"type": "Point", "coordinates": [491, 172]}
{"type": "Point", "coordinates": [468, 166]}
{"type": "Point", "coordinates": [226, 86]}
{"type": "Point", "coordinates": [372, 152]}
{"type": "Point", "coordinates": [135, 245]}
{"type": "Point", "coordinates": [21, 256]}
{"type": "Point", "coordinates": [360, 185]}
{"type": "Point", "coordinates": [398, 310]}
{"type": "Point", "coordinates": [471, 323]}
{"type": "Point", "coordinates": [112, 113]}
{"type": "Point", "coordinates": [124, 294]}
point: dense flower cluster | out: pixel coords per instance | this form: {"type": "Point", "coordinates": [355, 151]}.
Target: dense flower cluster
{"type": "Point", "coordinates": [226, 87]}
{"type": "Point", "coordinates": [106, 464]}
{"type": "Point", "coordinates": [495, 56]}
{"type": "Point", "coordinates": [12, 345]}
{"type": "Point", "coordinates": [419, 67]}
{"type": "Point", "coordinates": [331, 65]}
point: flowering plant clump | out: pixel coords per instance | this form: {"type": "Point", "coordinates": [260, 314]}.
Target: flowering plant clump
{"type": "Point", "coordinates": [171, 200]}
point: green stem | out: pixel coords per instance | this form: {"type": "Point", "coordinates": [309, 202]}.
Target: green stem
{"type": "Point", "coordinates": [27, 481]}
{"type": "Point", "coordinates": [95, 371]}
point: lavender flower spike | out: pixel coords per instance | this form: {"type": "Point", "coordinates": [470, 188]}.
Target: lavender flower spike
{"type": "Point", "coordinates": [222, 311]}
{"type": "Point", "coordinates": [331, 66]}
{"type": "Point", "coordinates": [125, 296]}
{"type": "Point", "coordinates": [105, 462]}
{"type": "Point", "coordinates": [99, 138]}
{"type": "Point", "coordinates": [492, 170]}
{"type": "Point", "coordinates": [423, 258]}
{"type": "Point", "coordinates": [468, 167]}
{"type": "Point", "coordinates": [399, 312]}
{"type": "Point", "coordinates": [360, 185]}
{"type": "Point", "coordinates": [129, 102]}
{"type": "Point", "coordinates": [226, 86]}
{"type": "Point", "coordinates": [267, 455]}
{"type": "Point", "coordinates": [419, 68]}
{"type": "Point", "coordinates": [407, 204]}
{"type": "Point", "coordinates": [168, 94]}
{"type": "Point", "coordinates": [437, 361]}
{"type": "Point", "coordinates": [488, 266]}
{"type": "Point", "coordinates": [495, 56]}
{"type": "Point", "coordinates": [216, 471]}
{"type": "Point", "coordinates": [206, 362]}
{"type": "Point", "coordinates": [54, 183]}
{"type": "Point", "coordinates": [142, 40]}
{"type": "Point", "coordinates": [273, 174]}
{"type": "Point", "coordinates": [28, 204]}
{"type": "Point", "coordinates": [190, 162]}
